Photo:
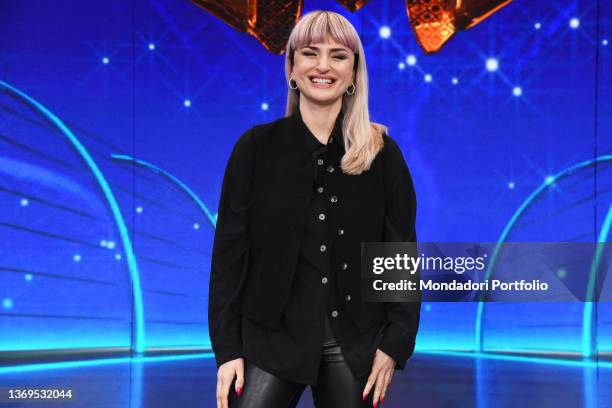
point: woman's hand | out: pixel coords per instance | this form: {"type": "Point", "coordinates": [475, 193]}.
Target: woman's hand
{"type": "Point", "coordinates": [225, 376]}
{"type": "Point", "coordinates": [381, 375]}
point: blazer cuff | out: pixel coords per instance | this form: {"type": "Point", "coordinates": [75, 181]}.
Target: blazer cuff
{"type": "Point", "coordinates": [398, 344]}
{"type": "Point", "coordinates": [222, 357]}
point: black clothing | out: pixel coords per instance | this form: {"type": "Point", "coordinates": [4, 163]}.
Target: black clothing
{"type": "Point", "coordinates": [337, 387]}
{"type": "Point", "coordinates": [264, 303]}
{"type": "Point", "coordinates": [311, 260]}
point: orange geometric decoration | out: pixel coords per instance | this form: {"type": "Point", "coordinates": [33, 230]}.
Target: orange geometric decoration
{"type": "Point", "coordinates": [352, 5]}
{"type": "Point", "coordinates": [270, 21]}
{"type": "Point", "coordinates": [434, 22]}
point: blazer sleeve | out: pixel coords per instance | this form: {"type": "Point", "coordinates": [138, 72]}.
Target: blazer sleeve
{"type": "Point", "coordinates": [230, 255]}
{"type": "Point", "coordinates": [402, 318]}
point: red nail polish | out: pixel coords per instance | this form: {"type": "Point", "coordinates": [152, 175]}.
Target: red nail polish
{"type": "Point", "coordinates": [363, 397]}
{"type": "Point", "coordinates": [382, 399]}
{"type": "Point", "coordinates": [376, 404]}
{"type": "Point", "coordinates": [239, 391]}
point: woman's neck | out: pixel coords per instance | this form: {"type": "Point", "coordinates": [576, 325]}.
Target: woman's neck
{"type": "Point", "coordinates": [320, 119]}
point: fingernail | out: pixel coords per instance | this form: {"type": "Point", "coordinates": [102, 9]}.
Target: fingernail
{"type": "Point", "coordinates": [239, 391]}
{"type": "Point", "coordinates": [376, 404]}
{"type": "Point", "coordinates": [363, 397]}
{"type": "Point", "coordinates": [382, 399]}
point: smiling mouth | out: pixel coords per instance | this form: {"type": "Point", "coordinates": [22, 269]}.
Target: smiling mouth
{"type": "Point", "coordinates": [322, 81]}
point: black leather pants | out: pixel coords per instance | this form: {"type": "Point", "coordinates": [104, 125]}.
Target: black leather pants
{"type": "Point", "coordinates": [336, 386]}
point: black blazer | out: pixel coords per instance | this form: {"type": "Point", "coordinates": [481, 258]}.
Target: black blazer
{"type": "Point", "coordinates": [263, 207]}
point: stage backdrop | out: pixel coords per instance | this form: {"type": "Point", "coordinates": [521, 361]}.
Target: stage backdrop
{"type": "Point", "coordinates": [117, 119]}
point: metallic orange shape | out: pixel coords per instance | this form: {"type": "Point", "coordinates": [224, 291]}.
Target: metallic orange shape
{"type": "Point", "coordinates": [269, 21]}
{"type": "Point", "coordinates": [352, 5]}
{"type": "Point", "coordinates": [434, 22]}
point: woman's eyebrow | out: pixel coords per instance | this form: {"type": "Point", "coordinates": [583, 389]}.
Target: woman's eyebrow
{"type": "Point", "coordinates": [331, 49]}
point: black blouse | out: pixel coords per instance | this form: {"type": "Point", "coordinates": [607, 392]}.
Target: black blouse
{"type": "Point", "coordinates": [312, 260]}
{"type": "Point", "coordinates": [312, 316]}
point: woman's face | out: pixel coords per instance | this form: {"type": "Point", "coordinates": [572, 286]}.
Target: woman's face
{"type": "Point", "coordinates": [318, 64]}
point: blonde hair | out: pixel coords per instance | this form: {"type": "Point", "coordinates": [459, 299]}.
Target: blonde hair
{"type": "Point", "coordinates": [362, 139]}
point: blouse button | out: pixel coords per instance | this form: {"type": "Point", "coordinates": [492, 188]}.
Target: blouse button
{"type": "Point", "coordinates": [348, 298]}
{"type": "Point", "coordinates": [321, 217]}
{"type": "Point", "coordinates": [333, 199]}
{"type": "Point", "coordinates": [340, 231]}
{"type": "Point", "coordinates": [335, 313]}
{"type": "Point", "coordinates": [324, 280]}
{"type": "Point", "coordinates": [322, 248]}
{"type": "Point", "coordinates": [343, 265]}
{"type": "Point", "coordinates": [319, 189]}
{"type": "Point", "coordinates": [320, 162]}
{"type": "Point", "coordinates": [330, 169]}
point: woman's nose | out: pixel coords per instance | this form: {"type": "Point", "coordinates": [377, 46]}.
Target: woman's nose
{"type": "Point", "coordinates": [323, 64]}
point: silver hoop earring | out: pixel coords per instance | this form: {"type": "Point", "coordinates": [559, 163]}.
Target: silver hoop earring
{"type": "Point", "coordinates": [353, 91]}
{"type": "Point", "coordinates": [290, 84]}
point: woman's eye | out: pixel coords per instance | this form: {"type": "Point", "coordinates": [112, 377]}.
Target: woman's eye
{"type": "Point", "coordinates": [340, 57]}
{"type": "Point", "coordinates": [309, 53]}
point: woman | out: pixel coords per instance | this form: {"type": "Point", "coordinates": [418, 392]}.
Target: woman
{"type": "Point", "coordinates": [299, 196]}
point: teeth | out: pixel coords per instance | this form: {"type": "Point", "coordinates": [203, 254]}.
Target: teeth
{"type": "Point", "coordinates": [322, 80]}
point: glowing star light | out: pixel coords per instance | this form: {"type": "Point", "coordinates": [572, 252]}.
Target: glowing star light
{"type": "Point", "coordinates": [574, 23]}
{"type": "Point", "coordinates": [492, 64]}
{"type": "Point", "coordinates": [384, 32]}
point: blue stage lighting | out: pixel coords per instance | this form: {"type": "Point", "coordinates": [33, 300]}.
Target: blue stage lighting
{"type": "Point", "coordinates": [7, 303]}
{"type": "Point", "coordinates": [574, 23]}
{"type": "Point", "coordinates": [384, 32]}
{"type": "Point", "coordinates": [492, 64]}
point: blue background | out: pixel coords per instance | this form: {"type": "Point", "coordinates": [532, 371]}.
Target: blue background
{"type": "Point", "coordinates": [157, 92]}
